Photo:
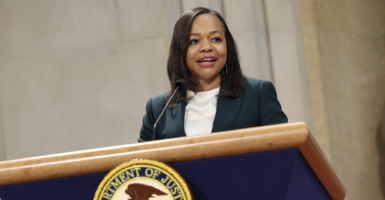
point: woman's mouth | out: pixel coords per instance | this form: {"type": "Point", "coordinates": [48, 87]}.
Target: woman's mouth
{"type": "Point", "coordinates": [206, 61]}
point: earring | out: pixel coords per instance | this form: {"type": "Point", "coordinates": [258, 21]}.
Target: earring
{"type": "Point", "coordinates": [226, 69]}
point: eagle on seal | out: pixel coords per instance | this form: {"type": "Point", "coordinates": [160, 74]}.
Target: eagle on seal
{"type": "Point", "coordinates": [139, 191]}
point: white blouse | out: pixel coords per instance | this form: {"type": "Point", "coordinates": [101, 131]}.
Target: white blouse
{"type": "Point", "coordinates": [200, 112]}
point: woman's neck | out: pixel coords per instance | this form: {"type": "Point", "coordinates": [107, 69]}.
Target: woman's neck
{"type": "Point", "coordinates": [206, 85]}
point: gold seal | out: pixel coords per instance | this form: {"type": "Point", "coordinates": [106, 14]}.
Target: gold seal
{"type": "Point", "coordinates": [142, 179]}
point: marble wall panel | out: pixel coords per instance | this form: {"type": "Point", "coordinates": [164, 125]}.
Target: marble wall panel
{"type": "Point", "coordinates": [306, 13]}
{"type": "Point", "coordinates": [287, 74]}
{"type": "Point", "coordinates": [241, 22]}
{"type": "Point", "coordinates": [263, 56]}
{"type": "Point", "coordinates": [280, 15]}
{"type": "Point", "coordinates": [355, 98]}
{"type": "Point", "coordinates": [380, 143]}
{"type": "Point", "coordinates": [247, 51]}
{"type": "Point", "coordinates": [239, 16]}
{"type": "Point", "coordinates": [189, 4]}
{"type": "Point", "coordinates": [2, 53]}
{"type": "Point", "coordinates": [345, 52]}
{"type": "Point", "coordinates": [366, 17]}
{"type": "Point", "coordinates": [34, 29]}
{"type": "Point", "coordinates": [262, 40]}
{"type": "Point", "coordinates": [2, 142]}
{"type": "Point", "coordinates": [88, 99]}
{"type": "Point", "coordinates": [217, 5]}
{"type": "Point", "coordinates": [174, 11]}
{"type": "Point", "coordinates": [2, 25]}
{"type": "Point", "coordinates": [142, 19]}
{"type": "Point", "coordinates": [177, 7]}
{"type": "Point", "coordinates": [259, 16]}
{"type": "Point", "coordinates": [331, 14]}
{"type": "Point", "coordinates": [313, 76]}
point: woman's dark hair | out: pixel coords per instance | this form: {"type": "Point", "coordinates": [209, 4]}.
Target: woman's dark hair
{"type": "Point", "coordinates": [177, 65]}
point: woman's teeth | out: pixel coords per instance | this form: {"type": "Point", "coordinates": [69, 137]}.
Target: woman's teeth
{"type": "Point", "coordinates": [207, 60]}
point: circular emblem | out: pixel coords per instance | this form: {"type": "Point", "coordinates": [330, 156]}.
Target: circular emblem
{"type": "Point", "coordinates": [142, 180]}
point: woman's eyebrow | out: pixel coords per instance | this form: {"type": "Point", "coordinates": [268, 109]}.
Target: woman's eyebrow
{"type": "Point", "coordinates": [212, 32]}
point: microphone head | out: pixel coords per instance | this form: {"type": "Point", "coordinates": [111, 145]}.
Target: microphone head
{"type": "Point", "coordinates": [182, 86]}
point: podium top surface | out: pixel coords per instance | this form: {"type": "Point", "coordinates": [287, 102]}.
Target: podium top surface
{"type": "Point", "coordinates": [221, 144]}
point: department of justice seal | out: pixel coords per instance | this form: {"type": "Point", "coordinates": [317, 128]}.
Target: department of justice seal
{"type": "Point", "coordinates": [142, 179]}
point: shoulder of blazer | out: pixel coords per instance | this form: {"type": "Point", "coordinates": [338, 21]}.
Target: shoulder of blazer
{"type": "Point", "coordinates": [158, 103]}
{"type": "Point", "coordinates": [253, 85]}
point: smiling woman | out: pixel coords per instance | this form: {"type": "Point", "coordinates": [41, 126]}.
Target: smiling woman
{"type": "Point", "coordinates": [207, 53]}
{"type": "Point", "coordinates": [219, 97]}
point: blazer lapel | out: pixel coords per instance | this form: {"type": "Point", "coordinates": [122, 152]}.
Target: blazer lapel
{"type": "Point", "coordinates": [175, 120]}
{"type": "Point", "coordinates": [227, 109]}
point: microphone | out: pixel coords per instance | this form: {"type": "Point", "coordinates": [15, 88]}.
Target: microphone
{"type": "Point", "coordinates": [181, 85]}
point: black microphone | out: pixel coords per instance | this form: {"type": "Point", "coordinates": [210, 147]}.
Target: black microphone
{"type": "Point", "coordinates": [181, 85]}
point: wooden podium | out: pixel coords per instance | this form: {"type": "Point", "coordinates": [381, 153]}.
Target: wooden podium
{"type": "Point", "coordinates": [270, 162]}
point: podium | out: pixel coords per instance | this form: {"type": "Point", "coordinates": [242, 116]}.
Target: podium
{"type": "Point", "coordinates": [269, 162]}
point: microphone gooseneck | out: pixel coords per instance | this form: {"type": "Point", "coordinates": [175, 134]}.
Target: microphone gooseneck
{"type": "Point", "coordinates": [181, 85]}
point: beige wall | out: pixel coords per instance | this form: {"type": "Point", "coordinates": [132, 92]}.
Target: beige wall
{"type": "Point", "coordinates": [380, 144]}
{"type": "Point", "coordinates": [2, 142]}
{"type": "Point", "coordinates": [344, 42]}
{"type": "Point", "coordinates": [77, 74]}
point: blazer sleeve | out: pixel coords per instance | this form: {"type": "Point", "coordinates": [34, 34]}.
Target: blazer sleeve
{"type": "Point", "coordinates": [148, 123]}
{"type": "Point", "coordinates": [271, 111]}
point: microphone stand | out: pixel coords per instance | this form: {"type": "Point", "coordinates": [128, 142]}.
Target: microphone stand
{"type": "Point", "coordinates": [163, 111]}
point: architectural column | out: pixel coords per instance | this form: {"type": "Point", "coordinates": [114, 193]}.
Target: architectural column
{"type": "Point", "coordinates": [2, 142]}
{"type": "Point", "coordinates": [345, 64]}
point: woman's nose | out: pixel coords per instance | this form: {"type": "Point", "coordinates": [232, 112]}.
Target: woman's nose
{"type": "Point", "coordinates": [205, 46]}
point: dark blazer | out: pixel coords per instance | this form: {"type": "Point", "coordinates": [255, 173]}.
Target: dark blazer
{"type": "Point", "coordinates": [258, 106]}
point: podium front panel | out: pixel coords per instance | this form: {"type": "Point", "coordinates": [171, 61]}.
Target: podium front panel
{"type": "Point", "coordinates": [280, 174]}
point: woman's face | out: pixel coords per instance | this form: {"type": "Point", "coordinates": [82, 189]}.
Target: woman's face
{"type": "Point", "coordinates": [207, 52]}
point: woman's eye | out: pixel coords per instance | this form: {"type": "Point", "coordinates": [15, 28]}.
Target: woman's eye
{"type": "Point", "coordinates": [194, 41]}
{"type": "Point", "coordinates": [217, 39]}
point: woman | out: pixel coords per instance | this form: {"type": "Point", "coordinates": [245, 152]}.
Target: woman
{"type": "Point", "coordinates": [219, 97]}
